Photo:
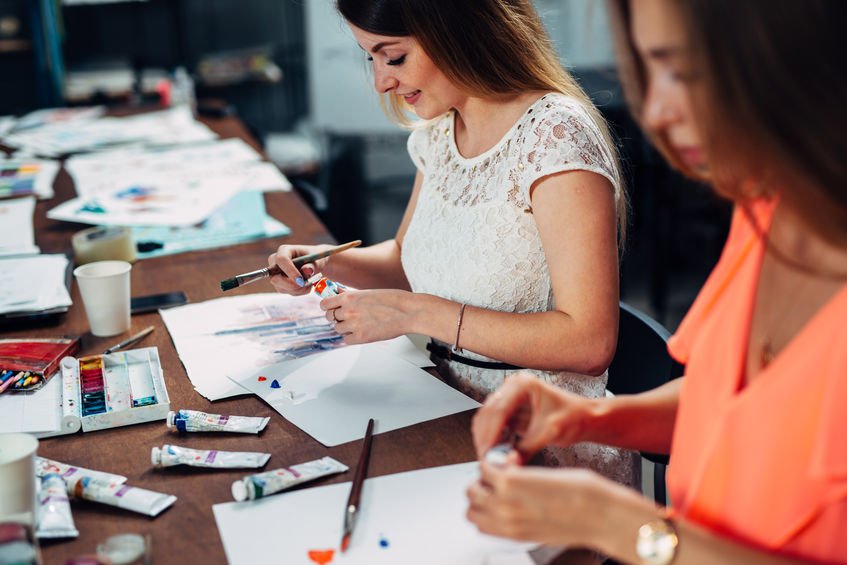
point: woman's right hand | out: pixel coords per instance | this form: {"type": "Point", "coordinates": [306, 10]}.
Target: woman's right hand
{"type": "Point", "coordinates": [293, 280]}
{"type": "Point", "coordinates": [539, 413]}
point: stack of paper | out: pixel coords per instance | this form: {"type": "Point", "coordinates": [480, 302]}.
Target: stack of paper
{"type": "Point", "coordinates": [24, 177]}
{"type": "Point", "coordinates": [166, 127]}
{"type": "Point", "coordinates": [177, 186]}
{"type": "Point", "coordinates": [18, 230]}
{"type": "Point", "coordinates": [34, 285]}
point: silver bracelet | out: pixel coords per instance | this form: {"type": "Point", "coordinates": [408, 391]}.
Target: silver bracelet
{"type": "Point", "coordinates": [456, 348]}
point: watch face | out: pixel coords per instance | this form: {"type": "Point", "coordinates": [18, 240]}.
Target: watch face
{"type": "Point", "coordinates": [656, 543]}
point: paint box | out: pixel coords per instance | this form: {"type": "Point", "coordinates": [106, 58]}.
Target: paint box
{"type": "Point", "coordinates": [35, 358]}
{"type": "Point", "coordinates": [112, 390]}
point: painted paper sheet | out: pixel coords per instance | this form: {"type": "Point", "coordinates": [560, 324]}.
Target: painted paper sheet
{"type": "Point", "coordinates": [224, 340]}
{"type": "Point", "coordinates": [407, 518]}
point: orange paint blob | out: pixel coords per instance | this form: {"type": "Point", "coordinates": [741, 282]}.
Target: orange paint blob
{"type": "Point", "coordinates": [321, 556]}
{"type": "Point", "coordinates": [263, 379]}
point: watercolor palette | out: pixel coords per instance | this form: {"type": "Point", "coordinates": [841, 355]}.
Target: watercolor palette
{"type": "Point", "coordinates": [117, 389]}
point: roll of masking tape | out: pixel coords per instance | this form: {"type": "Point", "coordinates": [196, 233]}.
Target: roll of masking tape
{"type": "Point", "coordinates": [104, 244]}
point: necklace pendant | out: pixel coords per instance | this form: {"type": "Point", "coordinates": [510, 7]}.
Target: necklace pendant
{"type": "Point", "coordinates": [765, 355]}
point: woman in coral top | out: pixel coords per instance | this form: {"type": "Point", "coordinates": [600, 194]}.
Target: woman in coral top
{"type": "Point", "coordinates": [751, 97]}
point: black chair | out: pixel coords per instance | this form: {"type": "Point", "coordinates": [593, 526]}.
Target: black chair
{"type": "Point", "coordinates": [642, 363]}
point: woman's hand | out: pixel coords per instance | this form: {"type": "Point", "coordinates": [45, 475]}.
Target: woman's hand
{"type": "Point", "coordinates": [539, 413]}
{"type": "Point", "coordinates": [552, 506]}
{"type": "Point", "coordinates": [293, 281]}
{"type": "Point", "coordinates": [364, 316]}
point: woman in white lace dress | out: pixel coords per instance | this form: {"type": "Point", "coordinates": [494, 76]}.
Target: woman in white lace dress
{"type": "Point", "coordinates": [507, 254]}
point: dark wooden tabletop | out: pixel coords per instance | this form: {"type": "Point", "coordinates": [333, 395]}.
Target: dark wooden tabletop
{"type": "Point", "coordinates": [187, 531]}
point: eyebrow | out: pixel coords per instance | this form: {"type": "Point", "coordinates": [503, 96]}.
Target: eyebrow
{"type": "Point", "coordinates": [382, 44]}
{"type": "Point", "coordinates": [664, 53]}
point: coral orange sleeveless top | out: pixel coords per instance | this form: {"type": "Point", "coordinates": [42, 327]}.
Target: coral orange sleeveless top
{"type": "Point", "coordinates": [765, 464]}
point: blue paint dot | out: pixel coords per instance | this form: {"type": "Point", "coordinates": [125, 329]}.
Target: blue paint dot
{"type": "Point", "coordinates": [274, 383]}
{"type": "Point", "coordinates": [383, 542]}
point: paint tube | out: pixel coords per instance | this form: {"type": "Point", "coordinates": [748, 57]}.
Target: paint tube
{"type": "Point", "coordinates": [193, 421]}
{"type": "Point", "coordinates": [136, 499]}
{"type": "Point", "coordinates": [44, 466]}
{"type": "Point", "coordinates": [252, 487]}
{"type": "Point", "coordinates": [170, 455]}
{"type": "Point", "coordinates": [498, 455]}
{"type": "Point", "coordinates": [54, 510]}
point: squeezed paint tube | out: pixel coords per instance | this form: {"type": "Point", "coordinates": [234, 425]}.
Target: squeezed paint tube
{"type": "Point", "coordinates": [170, 455]}
{"type": "Point", "coordinates": [54, 510]}
{"type": "Point", "coordinates": [136, 499]}
{"type": "Point", "coordinates": [44, 466]}
{"type": "Point", "coordinates": [252, 487]}
{"type": "Point", "coordinates": [193, 421]}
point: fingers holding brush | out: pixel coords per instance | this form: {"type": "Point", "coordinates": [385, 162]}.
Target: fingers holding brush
{"type": "Point", "coordinates": [292, 280]}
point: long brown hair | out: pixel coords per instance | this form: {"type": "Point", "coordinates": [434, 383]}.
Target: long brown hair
{"type": "Point", "coordinates": [769, 98]}
{"type": "Point", "coordinates": [485, 47]}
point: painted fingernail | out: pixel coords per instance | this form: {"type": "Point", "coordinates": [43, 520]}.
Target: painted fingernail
{"type": "Point", "coordinates": [299, 281]}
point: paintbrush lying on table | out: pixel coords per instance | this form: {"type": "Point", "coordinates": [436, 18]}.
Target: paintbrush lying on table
{"type": "Point", "coordinates": [247, 278]}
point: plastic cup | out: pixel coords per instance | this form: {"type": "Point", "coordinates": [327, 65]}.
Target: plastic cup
{"type": "Point", "coordinates": [17, 478]}
{"type": "Point", "coordinates": [105, 290]}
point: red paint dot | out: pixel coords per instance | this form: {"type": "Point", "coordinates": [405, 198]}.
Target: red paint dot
{"type": "Point", "coordinates": [321, 556]}
{"type": "Point", "coordinates": [263, 379]}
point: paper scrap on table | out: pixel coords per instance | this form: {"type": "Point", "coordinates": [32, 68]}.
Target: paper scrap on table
{"type": "Point", "coordinates": [16, 216]}
{"type": "Point", "coordinates": [331, 396]}
{"type": "Point", "coordinates": [248, 332]}
{"type": "Point", "coordinates": [36, 412]}
{"type": "Point", "coordinates": [411, 518]}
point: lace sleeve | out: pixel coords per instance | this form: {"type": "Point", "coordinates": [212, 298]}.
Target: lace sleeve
{"type": "Point", "coordinates": [562, 137]}
{"type": "Point", "coordinates": [417, 146]}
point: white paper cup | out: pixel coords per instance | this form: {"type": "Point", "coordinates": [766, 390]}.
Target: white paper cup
{"type": "Point", "coordinates": [17, 478]}
{"type": "Point", "coordinates": [104, 286]}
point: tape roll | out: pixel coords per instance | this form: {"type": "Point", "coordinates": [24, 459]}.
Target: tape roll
{"type": "Point", "coordinates": [103, 244]}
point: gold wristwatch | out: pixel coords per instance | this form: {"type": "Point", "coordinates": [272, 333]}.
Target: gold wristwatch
{"type": "Point", "coordinates": [657, 542]}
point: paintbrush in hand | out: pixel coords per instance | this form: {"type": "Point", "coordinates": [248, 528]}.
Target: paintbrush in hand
{"type": "Point", "coordinates": [247, 278]}
{"type": "Point", "coordinates": [352, 507]}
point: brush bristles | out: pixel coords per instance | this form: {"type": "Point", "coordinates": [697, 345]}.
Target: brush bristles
{"type": "Point", "coordinates": [229, 284]}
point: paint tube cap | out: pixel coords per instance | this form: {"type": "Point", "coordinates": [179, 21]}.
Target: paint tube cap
{"type": "Point", "coordinates": [170, 420]}
{"type": "Point", "coordinates": [239, 491]}
{"type": "Point", "coordinates": [156, 456]}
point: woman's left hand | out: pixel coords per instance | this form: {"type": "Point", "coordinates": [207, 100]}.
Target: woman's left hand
{"type": "Point", "coordinates": [363, 316]}
{"type": "Point", "coordinates": [552, 506]}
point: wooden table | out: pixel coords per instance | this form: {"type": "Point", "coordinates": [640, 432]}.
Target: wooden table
{"type": "Point", "coordinates": [187, 531]}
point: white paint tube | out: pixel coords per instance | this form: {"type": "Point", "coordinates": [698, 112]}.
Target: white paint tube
{"type": "Point", "coordinates": [252, 487]}
{"type": "Point", "coordinates": [54, 510]}
{"type": "Point", "coordinates": [170, 455]}
{"type": "Point", "coordinates": [44, 466]}
{"type": "Point", "coordinates": [136, 499]}
{"type": "Point", "coordinates": [193, 421]}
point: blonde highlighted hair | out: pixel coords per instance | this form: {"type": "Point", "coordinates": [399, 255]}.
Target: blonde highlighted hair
{"type": "Point", "coordinates": [488, 48]}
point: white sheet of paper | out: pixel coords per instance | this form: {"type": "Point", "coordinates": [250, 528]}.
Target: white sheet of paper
{"type": "Point", "coordinates": [18, 231]}
{"type": "Point", "coordinates": [33, 283]}
{"type": "Point", "coordinates": [410, 518]}
{"type": "Point", "coordinates": [231, 158]}
{"type": "Point", "coordinates": [252, 331]}
{"type": "Point", "coordinates": [159, 202]}
{"type": "Point", "coordinates": [331, 396]}
{"type": "Point", "coordinates": [37, 411]}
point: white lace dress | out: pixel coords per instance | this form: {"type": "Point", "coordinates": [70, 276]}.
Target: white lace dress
{"type": "Point", "coordinates": [473, 239]}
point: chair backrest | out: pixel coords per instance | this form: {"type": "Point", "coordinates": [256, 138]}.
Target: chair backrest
{"type": "Point", "coordinates": [641, 361]}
